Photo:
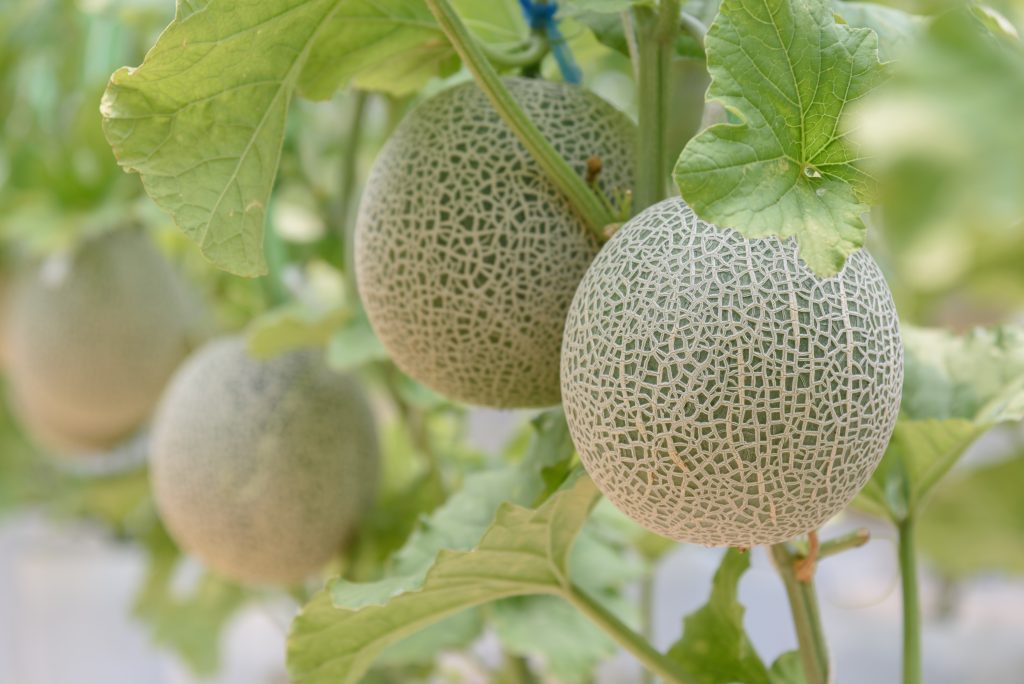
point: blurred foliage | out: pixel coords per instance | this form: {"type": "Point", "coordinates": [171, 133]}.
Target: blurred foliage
{"type": "Point", "coordinates": [955, 388]}
{"type": "Point", "coordinates": [975, 521]}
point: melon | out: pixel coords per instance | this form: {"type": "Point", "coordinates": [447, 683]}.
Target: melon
{"type": "Point", "coordinates": [717, 390]}
{"type": "Point", "coordinates": [262, 469]}
{"type": "Point", "coordinates": [92, 340]}
{"type": "Point", "coordinates": [467, 255]}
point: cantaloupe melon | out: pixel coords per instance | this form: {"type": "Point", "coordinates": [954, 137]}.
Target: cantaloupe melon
{"type": "Point", "coordinates": [92, 341]}
{"type": "Point", "coordinates": [717, 390]}
{"type": "Point", "coordinates": [467, 255]}
{"type": "Point", "coordinates": [262, 469]}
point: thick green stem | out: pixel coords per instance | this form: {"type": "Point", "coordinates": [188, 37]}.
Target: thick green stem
{"type": "Point", "coordinates": [656, 31]}
{"type": "Point", "coordinates": [803, 604]}
{"type": "Point", "coordinates": [652, 659]}
{"type": "Point", "coordinates": [911, 603]}
{"type": "Point", "coordinates": [579, 194]}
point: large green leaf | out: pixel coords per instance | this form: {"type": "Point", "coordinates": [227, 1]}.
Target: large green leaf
{"type": "Point", "coordinates": [955, 388]}
{"type": "Point", "coordinates": [525, 551]}
{"type": "Point", "coordinates": [202, 120]}
{"type": "Point", "coordinates": [786, 71]}
{"type": "Point", "coordinates": [715, 648]}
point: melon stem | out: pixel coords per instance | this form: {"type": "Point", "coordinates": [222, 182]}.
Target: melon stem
{"type": "Point", "coordinates": [656, 31]}
{"type": "Point", "coordinates": [911, 602]}
{"type": "Point", "coordinates": [583, 199]}
{"type": "Point", "coordinates": [803, 604]}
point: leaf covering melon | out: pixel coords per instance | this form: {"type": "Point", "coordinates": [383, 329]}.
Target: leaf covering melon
{"type": "Point", "coordinates": [717, 390]}
{"type": "Point", "coordinates": [467, 255]}
{"type": "Point", "coordinates": [262, 469]}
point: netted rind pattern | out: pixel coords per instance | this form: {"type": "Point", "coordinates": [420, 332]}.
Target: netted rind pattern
{"type": "Point", "coordinates": [467, 256]}
{"type": "Point", "coordinates": [717, 390]}
{"type": "Point", "coordinates": [262, 469]}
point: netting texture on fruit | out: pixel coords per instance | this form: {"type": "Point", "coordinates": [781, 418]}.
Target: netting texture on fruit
{"type": "Point", "coordinates": [717, 390]}
{"type": "Point", "coordinates": [467, 254]}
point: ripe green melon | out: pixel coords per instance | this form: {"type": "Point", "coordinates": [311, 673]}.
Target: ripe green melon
{"type": "Point", "coordinates": [91, 342]}
{"type": "Point", "coordinates": [719, 392]}
{"type": "Point", "coordinates": [262, 469]}
{"type": "Point", "coordinates": [467, 256]}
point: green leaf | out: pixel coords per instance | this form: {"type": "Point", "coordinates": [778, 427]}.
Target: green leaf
{"type": "Point", "coordinates": [422, 647]}
{"type": "Point", "coordinates": [570, 645]}
{"type": "Point", "coordinates": [955, 388]}
{"type": "Point", "coordinates": [787, 72]}
{"type": "Point", "coordinates": [787, 669]}
{"type": "Point", "coordinates": [975, 522]}
{"type": "Point", "coordinates": [292, 326]}
{"type": "Point", "coordinates": [354, 344]}
{"type": "Point", "coordinates": [202, 120]}
{"type": "Point", "coordinates": [396, 46]}
{"type": "Point", "coordinates": [525, 551]}
{"type": "Point", "coordinates": [715, 648]}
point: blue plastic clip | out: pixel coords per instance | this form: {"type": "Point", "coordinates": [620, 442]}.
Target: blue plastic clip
{"type": "Point", "coordinates": [541, 17]}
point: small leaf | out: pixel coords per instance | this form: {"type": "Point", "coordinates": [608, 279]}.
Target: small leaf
{"type": "Point", "coordinates": [354, 344]}
{"type": "Point", "coordinates": [291, 327]}
{"type": "Point", "coordinates": [715, 648]}
{"type": "Point", "coordinates": [525, 551]}
{"type": "Point", "coordinates": [787, 669]}
{"type": "Point", "coordinates": [786, 71]}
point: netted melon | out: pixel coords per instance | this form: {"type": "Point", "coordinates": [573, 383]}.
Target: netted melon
{"type": "Point", "coordinates": [92, 341]}
{"type": "Point", "coordinates": [717, 390]}
{"type": "Point", "coordinates": [262, 469]}
{"type": "Point", "coordinates": [467, 255]}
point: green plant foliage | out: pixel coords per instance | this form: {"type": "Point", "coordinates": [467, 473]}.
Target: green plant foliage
{"type": "Point", "coordinates": [524, 551]}
{"type": "Point", "coordinates": [189, 623]}
{"type": "Point", "coordinates": [955, 389]}
{"type": "Point", "coordinates": [202, 120]}
{"type": "Point", "coordinates": [784, 168]}
{"type": "Point", "coordinates": [975, 521]}
{"type": "Point", "coordinates": [896, 30]}
{"type": "Point", "coordinates": [715, 648]}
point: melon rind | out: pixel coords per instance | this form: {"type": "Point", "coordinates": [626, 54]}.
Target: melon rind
{"type": "Point", "coordinates": [90, 349]}
{"type": "Point", "coordinates": [467, 255]}
{"type": "Point", "coordinates": [262, 469]}
{"type": "Point", "coordinates": [717, 390]}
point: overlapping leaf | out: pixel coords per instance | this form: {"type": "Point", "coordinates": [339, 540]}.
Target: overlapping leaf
{"type": "Point", "coordinates": [786, 72]}
{"type": "Point", "coordinates": [202, 119]}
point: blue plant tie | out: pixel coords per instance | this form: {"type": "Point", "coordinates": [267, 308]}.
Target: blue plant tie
{"type": "Point", "coordinates": [541, 17]}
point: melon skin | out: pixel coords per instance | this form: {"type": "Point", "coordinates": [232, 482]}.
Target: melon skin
{"type": "Point", "coordinates": [262, 469]}
{"type": "Point", "coordinates": [89, 351]}
{"type": "Point", "coordinates": [467, 255]}
{"type": "Point", "coordinates": [717, 390]}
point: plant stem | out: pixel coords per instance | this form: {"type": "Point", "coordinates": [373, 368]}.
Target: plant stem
{"type": "Point", "coordinates": [656, 31]}
{"type": "Point", "coordinates": [345, 214]}
{"type": "Point", "coordinates": [652, 659]}
{"type": "Point", "coordinates": [803, 604]}
{"type": "Point", "coordinates": [647, 616]}
{"type": "Point", "coordinates": [582, 198]}
{"type": "Point", "coordinates": [911, 602]}
{"type": "Point", "coordinates": [851, 540]}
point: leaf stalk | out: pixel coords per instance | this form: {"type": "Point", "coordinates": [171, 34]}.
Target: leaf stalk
{"type": "Point", "coordinates": [803, 603]}
{"type": "Point", "coordinates": [582, 198]}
